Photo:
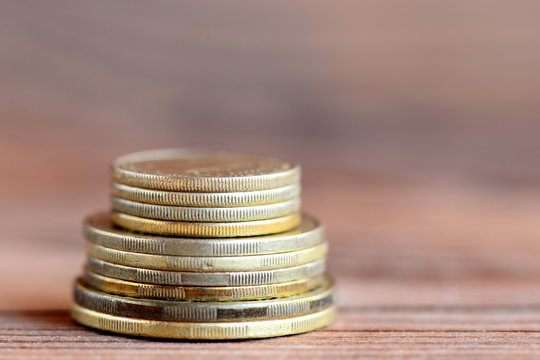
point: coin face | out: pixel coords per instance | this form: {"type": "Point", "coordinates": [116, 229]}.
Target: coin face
{"type": "Point", "coordinates": [100, 230]}
{"type": "Point", "coordinates": [192, 163]}
{"type": "Point", "coordinates": [197, 170]}
{"type": "Point", "coordinates": [204, 330]}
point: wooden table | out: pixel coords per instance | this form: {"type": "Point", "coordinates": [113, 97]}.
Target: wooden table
{"type": "Point", "coordinates": [421, 270]}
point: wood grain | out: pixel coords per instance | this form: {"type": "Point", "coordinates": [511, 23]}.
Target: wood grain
{"type": "Point", "coordinates": [416, 124]}
{"type": "Point", "coordinates": [358, 332]}
{"type": "Point", "coordinates": [460, 288]}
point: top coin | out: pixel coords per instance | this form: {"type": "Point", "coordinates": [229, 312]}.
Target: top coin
{"type": "Point", "coordinates": [200, 170]}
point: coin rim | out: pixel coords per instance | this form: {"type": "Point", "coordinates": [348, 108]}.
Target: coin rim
{"type": "Point", "coordinates": [207, 229]}
{"type": "Point", "coordinates": [171, 310]}
{"type": "Point", "coordinates": [206, 199]}
{"type": "Point", "coordinates": [204, 330]}
{"type": "Point", "coordinates": [236, 278]}
{"type": "Point", "coordinates": [132, 289]}
{"type": "Point", "coordinates": [99, 229]}
{"type": "Point", "coordinates": [205, 214]}
{"type": "Point", "coordinates": [204, 184]}
{"type": "Point", "coordinates": [207, 263]}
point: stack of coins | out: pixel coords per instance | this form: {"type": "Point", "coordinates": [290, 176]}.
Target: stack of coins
{"type": "Point", "coordinates": [204, 245]}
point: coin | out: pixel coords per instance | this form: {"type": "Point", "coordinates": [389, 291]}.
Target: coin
{"type": "Point", "coordinates": [204, 330]}
{"type": "Point", "coordinates": [99, 229]}
{"type": "Point", "coordinates": [206, 229]}
{"type": "Point", "coordinates": [200, 199]}
{"type": "Point", "coordinates": [205, 171]}
{"type": "Point", "coordinates": [213, 214]}
{"type": "Point", "coordinates": [206, 263]}
{"type": "Point", "coordinates": [205, 278]}
{"type": "Point", "coordinates": [201, 293]}
{"type": "Point", "coordinates": [296, 305]}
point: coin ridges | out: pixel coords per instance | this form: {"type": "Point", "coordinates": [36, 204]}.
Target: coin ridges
{"type": "Point", "coordinates": [100, 230]}
{"type": "Point", "coordinates": [202, 214]}
{"type": "Point", "coordinates": [283, 260]}
{"type": "Point", "coordinates": [284, 309]}
{"type": "Point", "coordinates": [201, 293]}
{"type": "Point", "coordinates": [204, 171]}
{"type": "Point", "coordinates": [146, 247]}
{"type": "Point", "coordinates": [235, 248]}
{"type": "Point", "coordinates": [207, 229]}
{"type": "Point", "coordinates": [198, 314]}
{"type": "Point", "coordinates": [230, 199]}
{"type": "Point", "coordinates": [261, 277]}
{"type": "Point", "coordinates": [204, 330]}
{"type": "Point", "coordinates": [147, 291]}
{"type": "Point", "coordinates": [123, 327]}
{"type": "Point", "coordinates": [152, 276]}
{"type": "Point", "coordinates": [209, 264]}
{"type": "Point", "coordinates": [313, 300]}
{"type": "Point", "coordinates": [206, 278]}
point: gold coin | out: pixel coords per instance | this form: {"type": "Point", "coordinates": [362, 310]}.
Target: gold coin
{"type": "Point", "coordinates": [166, 310]}
{"type": "Point", "coordinates": [99, 229]}
{"type": "Point", "coordinates": [240, 278]}
{"type": "Point", "coordinates": [204, 171]}
{"type": "Point", "coordinates": [200, 199]}
{"type": "Point", "coordinates": [205, 263]}
{"type": "Point", "coordinates": [201, 293]}
{"type": "Point", "coordinates": [206, 229]}
{"type": "Point", "coordinates": [204, 330]}
{"type": "Point", "coordinates": [201, 214]}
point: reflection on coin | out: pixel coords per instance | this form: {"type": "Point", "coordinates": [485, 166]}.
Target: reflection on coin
{"type": "Point", "coordinates": [201, 199]}
{"type": "Point", "coordinates": [214, 214]}
{"type": "Point", "coordinates": [204, 330]}
{"type": "Point", "coordinates": [311, 301]}
{"type": "Point", "coordinates": [205, 263]}
{"type": "Point", "coordinates": [200, 293]}
{"type": "Point", "coordinates": [240, 278]}
{"type": "Point", "coordinates": [206, 229]}
{"type": "Point", "coordinates": [100, 230]}
{"type": "Point", "coordinates": [206, 171]}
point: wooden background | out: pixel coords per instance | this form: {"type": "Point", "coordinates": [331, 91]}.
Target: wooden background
{"type": "Point", "coordinates": [417, 124]}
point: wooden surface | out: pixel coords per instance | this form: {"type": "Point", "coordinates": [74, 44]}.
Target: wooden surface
{"type": "Point", "coordinates": [421, 272]}
{"type": "Point", "coordinates": [416, 124]}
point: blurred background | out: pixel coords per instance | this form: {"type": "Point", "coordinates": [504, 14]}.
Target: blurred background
{"type": "Point", "coordinates": [416, 122]}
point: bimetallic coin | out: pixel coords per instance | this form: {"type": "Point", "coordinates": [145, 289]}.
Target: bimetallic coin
{"type": "Point", "coordinates": [204, 171]}
{"type": "Point", "coordinates": [200, 293]}
{"type": "Point", "coordinates": [200, 199]}
{"type": "Point", "coordinates": [208, 264]}
{"type": "Point", "coordinates": [204, 330]}
{"type": "Point", "coordinates": [206, 229]}
{"type": "Point", "coordinates": [217, 214]}
{"type": "Point", "coordinates": [167, 310]}
{"type": "Point", "coordinates": [100, 230]}
{"type": "Point", "coordinates": [241, 278]}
